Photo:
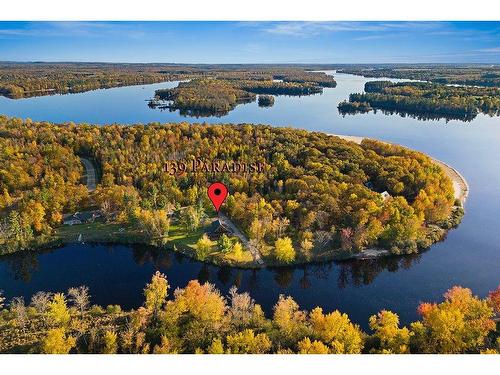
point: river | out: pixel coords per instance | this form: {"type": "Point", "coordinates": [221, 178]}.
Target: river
{"type": "Point", "coordinates": [470, 256]}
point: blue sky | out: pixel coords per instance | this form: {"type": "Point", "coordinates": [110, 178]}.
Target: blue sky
{"type": "Point", "coordinates": [251, 42]}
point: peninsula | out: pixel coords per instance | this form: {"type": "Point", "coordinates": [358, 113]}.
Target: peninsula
{"type": "Point", "coordinates": [316, 198]}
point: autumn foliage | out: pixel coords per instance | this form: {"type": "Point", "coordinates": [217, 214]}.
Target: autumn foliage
{"type": "Point", "coordinates": [200, 319]}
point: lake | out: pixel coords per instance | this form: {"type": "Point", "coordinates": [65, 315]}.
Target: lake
{"type": "Point", "coordinates": [116, 274]}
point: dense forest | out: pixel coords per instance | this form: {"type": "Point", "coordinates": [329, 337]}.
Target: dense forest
{"type": "Point", "coordinates": [199, 319]}
{"type": "Point", "coordinates": [318, 196]}
{"type": "Point", "coordinates": [273, 72]}
{"type": "Point", "coordinates": [452, 102]}
{"type": "Point", "coordinates": [19, 80]}
{"type": "Point", "coordinates": [474, 75]}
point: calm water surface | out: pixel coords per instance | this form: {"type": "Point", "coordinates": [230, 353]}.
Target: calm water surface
{"type": "Point", "coordinates": [470, 256]}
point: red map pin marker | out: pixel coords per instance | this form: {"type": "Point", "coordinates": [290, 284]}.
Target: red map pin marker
{"type": "Point", "coordinates": [217, 192]}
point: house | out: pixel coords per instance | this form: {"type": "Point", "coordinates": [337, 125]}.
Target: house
{"type": "Point", "coordinates": [71, 221]}
{"type": "Point", "coordinates": [385, 195]}
{"type": "Point", "coordinates": [217, 229]}
{"type": "Point", "coordinates": [81, 217]}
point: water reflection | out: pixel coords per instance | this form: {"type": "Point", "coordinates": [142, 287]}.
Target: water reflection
{"type": "Point", "coordinates": [25, 266]}
{"type": "Point", "coordinates": [364, 272]}
{"type": "Point", "coordinates": [22, 267]}
{"type": "Point", "coordinates": [196, 113]}
{"type": "Point", "coordinates": [413, 115]}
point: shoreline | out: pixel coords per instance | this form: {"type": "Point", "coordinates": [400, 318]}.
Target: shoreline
{"type": "Point", "coordinates": [460, 185]}
{"type": "Point", "coordinates": [460, 188]}
{"type": "Point", "coordinates": [333, 256]}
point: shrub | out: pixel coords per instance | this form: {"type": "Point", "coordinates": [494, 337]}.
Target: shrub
{"type": "Point", "coordinates": [113, 309]}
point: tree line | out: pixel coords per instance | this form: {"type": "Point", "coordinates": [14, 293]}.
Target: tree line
{"type": "Point", "coordinates": [472, 75]}
{"type": "Point", "coordinates": [20, 80]}
{"type": "Point", "coordinates": [199, 319]}
{"type": "Point", "coordinates": [27, 80]}
{"type": "Point", "coordinates": [452, 102]}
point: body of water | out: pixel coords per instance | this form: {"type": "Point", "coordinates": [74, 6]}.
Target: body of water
{"type": "Point", "coordinates": [116, 274]}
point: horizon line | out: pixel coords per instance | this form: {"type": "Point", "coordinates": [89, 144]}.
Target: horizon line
{"type": "Point", "coordinates": [239, 63]}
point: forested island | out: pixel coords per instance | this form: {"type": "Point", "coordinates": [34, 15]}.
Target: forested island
{"type": "Point", "coordinates": [221, 93]}
{"type": "Point", "coordinates": [199, 319]}
{"type": "Point", "coordinates": [471, 75]}
{"type": "Point", "coordinates": [426, 99]}
{"type": "Point", "coordinates": [266, 100]}
{"type": "Point", "coordinates": [319, 197]}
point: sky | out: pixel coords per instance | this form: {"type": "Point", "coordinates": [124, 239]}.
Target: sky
{"type": "Point", "coordinates": [252, 42]}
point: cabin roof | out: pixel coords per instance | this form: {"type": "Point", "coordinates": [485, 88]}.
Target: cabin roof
{"type": "Point", "coordinates": [385, 194]}
{"type": "Point", "coordinates": [217, 227]}
{"type": "Point", "coordinates": [82, 216]}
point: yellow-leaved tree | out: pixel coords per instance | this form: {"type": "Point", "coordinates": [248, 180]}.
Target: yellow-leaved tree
{"type": "Point", "coordinates": [56, 342]}
{"type": "Point", "coordinates": [283, 250]}
{"type": "Point", "coordinates": [459, 324]}
{"type": "Point", "coordinates": [58, 313]}
{"type": "Point", "coordinates": [156, 292]}
{"type": "Point", "coordinates": [391, 339]}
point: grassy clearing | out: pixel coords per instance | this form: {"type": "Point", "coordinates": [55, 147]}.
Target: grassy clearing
{"type": "Point", "coordinates": [99, 232]}
{"type": "Point", "coordinates": [180, 236]}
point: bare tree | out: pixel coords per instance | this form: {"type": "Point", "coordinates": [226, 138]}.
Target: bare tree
{"type": "Point", "coordinates": [281, 225]}
{"type": "Point", "coordinates": [107, 210]}
{"type": "Point", "coordinates": [322, 238]}
{"type": "Point", "coordinates": [241, 309]}
{"type": "Point", "coordinates": [80, 297]}
{"type": "Point", "coordinates": [40, 301]}
{"type": "Point", "coordinates": [322, 219]}
{"type": "Point", "coordinates": [18, 308]}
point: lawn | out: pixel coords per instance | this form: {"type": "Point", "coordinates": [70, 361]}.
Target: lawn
{"type": "Point", "coordinates": [99, 232]}
{"type": "Point", "coordinates": [179, 239]}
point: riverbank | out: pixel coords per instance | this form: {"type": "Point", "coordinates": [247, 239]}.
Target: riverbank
{"type": "Point", "coordinates": [460, 188]}
{"type": "Point", "coordinates": [179, 240]}
{"type": "Point", "coordinates": [116, 234]}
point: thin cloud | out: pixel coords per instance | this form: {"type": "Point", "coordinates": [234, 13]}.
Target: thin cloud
{"type": "Point", "coordinates": [79, 29]}
{"type": "Point", "coordinates": [308, 29]}
{"type": "Point", "coordinates": [370, 37]}
{"type": "Point", "coordinates": [315, 28]}
{"type": "Point", "coordinates": [490, 50]}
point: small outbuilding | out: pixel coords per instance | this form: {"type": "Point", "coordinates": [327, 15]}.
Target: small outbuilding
{"type": "Point", "coordinates": [71, 221]}
{"type": "Point", "coordinates": [385, 195]}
